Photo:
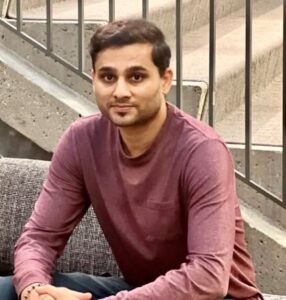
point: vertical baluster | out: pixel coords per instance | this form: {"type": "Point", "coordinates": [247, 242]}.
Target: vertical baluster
{"type": "Point", "coordinates": [80, 35]}
{"type": "Point", "coordinates": [49, 26]}
{"type": "Point", "coordinates": [179, 53]}
{"type": "Point", "coordinates": [212, 60]}
{"type": "Point", "coordinates": [19, 15]}
{"type": "Point", "coordinates": [284, 107]}
{"type": "Point", "coordinates": [145, 9]}
{"type": "Point", "coordinates": [248, 86]}
{"type": "Point", "coordinates": [111, 10]}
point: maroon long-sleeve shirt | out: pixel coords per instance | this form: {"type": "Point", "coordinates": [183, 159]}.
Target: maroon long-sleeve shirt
{"type": "Point", "coordinates": [170, 215]}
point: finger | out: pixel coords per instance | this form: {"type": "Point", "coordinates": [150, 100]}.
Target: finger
{"type": "Point", "coordinates": [46, 297]}
{"type": "Point", "coordinates": [56, 292]}
{"type": "Point", "coordinates": [82, 296]}
{"type": "Point", "coordinates": [48, 290]}
{"type": "Point", "coordinates": [33, 295]}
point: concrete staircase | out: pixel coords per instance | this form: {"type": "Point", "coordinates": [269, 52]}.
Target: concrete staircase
{"type": "Point", "coordinates": [230, 43]}
{"type": "Point", "coordinates": [267, 53]}
{"type": "Point", "coordinates": [35, 104]}
{"type": "Point", "coordinates": [59, 96]}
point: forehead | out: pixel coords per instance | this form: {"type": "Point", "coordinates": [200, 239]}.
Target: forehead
{"type": "Point", "coordinates": [125, 57]}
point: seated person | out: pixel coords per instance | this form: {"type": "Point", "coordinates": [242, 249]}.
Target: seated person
{"type": "Point", "coordinates": [161, 183]}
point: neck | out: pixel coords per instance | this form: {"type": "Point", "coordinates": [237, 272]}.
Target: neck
{"type": "Point", "coordinates": [138, 139]}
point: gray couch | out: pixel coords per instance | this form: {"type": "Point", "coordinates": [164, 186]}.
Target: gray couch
{"type": "Point", "coordinates": [20, 184]}
{"type": "Point", "coordinates": [87, 250]}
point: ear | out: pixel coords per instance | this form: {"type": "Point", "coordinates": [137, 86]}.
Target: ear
{"type": "Point", "coordinates": [167, 81]}
{"type": "Point", "coordinates": [92, 73]}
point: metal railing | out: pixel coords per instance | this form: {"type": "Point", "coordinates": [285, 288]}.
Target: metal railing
{"type": "Point", "coordinates": [79, 69]}
{"type": "Point", "coordinates": [248, 116]}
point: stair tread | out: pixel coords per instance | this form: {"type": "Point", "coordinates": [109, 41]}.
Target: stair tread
{"type": "Point", "coordinates": [266, 115]}
{"type": "Point", "coordinates": [230, 32]}
{"type": "Point", "coordinates": [230, 45]}
{"type": "Point", "coordinates": [94, 10]}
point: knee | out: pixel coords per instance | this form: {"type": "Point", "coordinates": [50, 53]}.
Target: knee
{"type": "Point", "coordinates": [7, 288]}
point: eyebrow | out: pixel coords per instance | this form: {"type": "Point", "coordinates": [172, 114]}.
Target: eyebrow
{"type": "Point", "coordinates": [131, 69]}
{"type": "Point", "coordinates": [136, 69]}
{"type": "Point", "coordinates": [106, 69]}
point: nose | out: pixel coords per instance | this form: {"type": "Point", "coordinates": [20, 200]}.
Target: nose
{"type": "Point", "coordinates": [121, 89]}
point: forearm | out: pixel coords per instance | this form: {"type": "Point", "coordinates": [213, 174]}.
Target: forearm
{"type": "Point", "coordinates": [194, 280]}
{"type": "Point", "coordinates": [34, 257]}
{"type": "Point", "coordinates": [30, 269]}
{"type": "Point", "coordinates": [28, 277]}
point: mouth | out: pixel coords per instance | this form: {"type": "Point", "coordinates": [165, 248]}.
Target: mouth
{"type": "Point", "coordinates": [121, 108]}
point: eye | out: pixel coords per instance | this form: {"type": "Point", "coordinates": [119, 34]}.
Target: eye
{"type": "Point", "coordinates": [109, 78]}
{"type": "Point", "coordinates": [137, 77]}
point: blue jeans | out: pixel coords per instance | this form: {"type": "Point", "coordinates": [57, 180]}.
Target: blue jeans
{"type": "Point", "coordinates": [99, 286]}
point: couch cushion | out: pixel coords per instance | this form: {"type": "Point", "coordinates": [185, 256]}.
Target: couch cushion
{"type": "Point", "coordinates": [20, 184]}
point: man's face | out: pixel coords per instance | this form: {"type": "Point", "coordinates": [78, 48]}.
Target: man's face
{"type": "Point", "coordinates": [128, 87]}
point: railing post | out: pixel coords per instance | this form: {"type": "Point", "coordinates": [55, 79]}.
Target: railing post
{"type": "Point", "coordinates": [111, 10]}
{"type": "Point", "coordinates": [212, 60]}
{"type": "Point", "coordinates": [49, 5]}
{"type": "Point", "coordinates": [145, 9]}
{"type": "Point", "coordinates": [179, 53]}
{"type": "Point", "coordinates": [81, 35]}
{"type": "Point", "coordinates": [19, 15]}
{"type": "Point", "coordinates": [284, 107]}
{"type": "Point", "coordinates": [248, 87]}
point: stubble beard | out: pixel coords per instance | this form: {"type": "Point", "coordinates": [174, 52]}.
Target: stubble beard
{"type": "Point", "coordinates": [138, 120]}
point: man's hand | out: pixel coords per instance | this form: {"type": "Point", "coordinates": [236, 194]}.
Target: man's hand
{"type": "Point", "coordinates": [33, 295]}
{"type": "Point", "coordinates": [49, 292]}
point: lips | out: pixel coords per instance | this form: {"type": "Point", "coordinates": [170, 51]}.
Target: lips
{"type": "Point", "coordinates": [121, 107]}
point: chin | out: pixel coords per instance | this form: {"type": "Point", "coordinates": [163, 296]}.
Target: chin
{"type": "Point", "coordinates": [122, 121]}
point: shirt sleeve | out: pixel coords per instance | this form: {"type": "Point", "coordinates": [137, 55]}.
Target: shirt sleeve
{"type": "Point", "coordinates": [57, 211]}
{"type": "Point", "coordinates": [208, 183]}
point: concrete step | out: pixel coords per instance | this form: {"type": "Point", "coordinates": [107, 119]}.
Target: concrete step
{"type": "Point", "coordinates": [26, 5]}
{"type": "Point", "coordinates": [267, 124]}
{"type": "Point", "coordinates": [34, 104]}
{"type": "Point", "coordinates": [267, 127]}
{"type": "Point", "coordinates": [195, 12]}
{"type": "Point", "coordinates": [230, 55]}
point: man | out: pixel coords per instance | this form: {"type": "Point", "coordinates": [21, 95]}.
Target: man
{"type": "Point", "coordinates": [161, 183]}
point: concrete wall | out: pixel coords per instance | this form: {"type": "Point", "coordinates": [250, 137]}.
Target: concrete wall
{"type": "Point", "coordinates": [14, 144]}
{"type": "Point", "coordinates": [31, 111]}
{"type": "Point", "coordinates": [267, 245]}
{"type": "Point", "coordinates": [266, 170]}
{"type": "Point", "coordinates": [265, 166]}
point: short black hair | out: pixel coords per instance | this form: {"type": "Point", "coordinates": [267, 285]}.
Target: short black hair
{"type": "Point", "coordinates": [127, 32]}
